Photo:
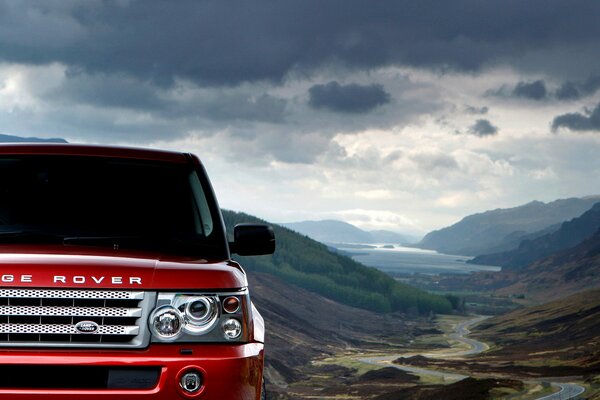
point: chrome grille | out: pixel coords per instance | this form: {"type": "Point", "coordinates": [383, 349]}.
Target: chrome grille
{"type": "Point", "coordinates": [46, 317]}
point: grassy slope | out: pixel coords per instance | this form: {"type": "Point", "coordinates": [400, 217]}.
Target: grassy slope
{"type": "Point", "coordinates": [308, 264]}
{"type": "Point", "coordinates": [565, 331]}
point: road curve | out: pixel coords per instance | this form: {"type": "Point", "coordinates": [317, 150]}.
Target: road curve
{"type": "Point", "coordinates": [460, 331]}
{"type": "Point", "coordinates": [567, 391]}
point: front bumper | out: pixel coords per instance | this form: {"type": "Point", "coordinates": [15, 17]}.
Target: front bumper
{"type": "Point", "coordinates": [229, 371]}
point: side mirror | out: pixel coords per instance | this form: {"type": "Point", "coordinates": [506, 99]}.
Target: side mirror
{"type": "Point", "coordinates": [252, 240]}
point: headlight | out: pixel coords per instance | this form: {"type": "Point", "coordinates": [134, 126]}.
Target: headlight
{"type": "Point", "coordinates": [193, 317]}
{"type": "Point", "coordinates": [232, 329]}
{"type": "Point", "coordinates": [201, 312]}
{"type": "Point", "coordinates": [166, 323]}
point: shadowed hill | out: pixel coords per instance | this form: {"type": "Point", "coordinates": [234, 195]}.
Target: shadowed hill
{"type": "Point", "coordinates": [561, 274]}
{"type": "Point", "coordinates": [570, 234]}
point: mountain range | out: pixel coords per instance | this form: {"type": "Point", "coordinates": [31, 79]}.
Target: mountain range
{"type": "Point", "coordinates": [18, 139]}
{"type": "Point", "coordinates": [335, 232]}
{"type": "Point", "coordinates": [569, 234]}
{"type": "Point", "coordinates": [504, 229]}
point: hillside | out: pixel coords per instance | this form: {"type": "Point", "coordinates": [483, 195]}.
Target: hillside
{"type": "Point", "coordinates": [333, 231]}
{"type": "Point", "coordinates": [566, 331]}
{"type": "Point", "coordinates": [570, 234]}
{"type": "Point", "coordinates": [308, 264]}
{"type": "Point", "coordinates": [18, 139]}
{"type": "Point", "coordinates": [501, 230]}
{"type": "Point", "coordinates": [563, 273]}
{"type": "Point", "coordinates": [299, 331]}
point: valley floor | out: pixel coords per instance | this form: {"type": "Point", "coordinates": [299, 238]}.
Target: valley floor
{"type": "Point", "coordinates": [436, 366]}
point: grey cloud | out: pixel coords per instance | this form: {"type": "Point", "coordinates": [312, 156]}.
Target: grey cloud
{"type": "Point", "coordinates": [124, 92]}
{"type": "Point", "coordinates": [225, 43]}
{"type": "Point", "coordinates": [483, 127]}
{"type": "Point", "coordinates": [531, 90]}
{"type": "Point", "coordinates": [535, 90]}
{"type": "Point", "coordinates": [435, 161]}
{"type": "Point", "coordinates": [575, 90]}
{"type": "Point", "coordinates": [590, 121]}
{"type": "Point", "coordinates": [476, 110]}
{"type": "Point", "coordinates": [352, 98]}
{"type": "Point", "coordinates": [108, 91]}
{"type": "Point", "coordinates": [568, 91]}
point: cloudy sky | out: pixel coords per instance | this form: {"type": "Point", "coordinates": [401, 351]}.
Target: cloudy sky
{"type": "Point", "coordinates": [402, 115]}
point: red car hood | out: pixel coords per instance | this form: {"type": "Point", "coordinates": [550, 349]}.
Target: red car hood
{"type": "Point", "coordinates": [90, 267]}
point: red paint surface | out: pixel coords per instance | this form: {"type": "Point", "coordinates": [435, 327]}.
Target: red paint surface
{"type": "Point", "coordinates": [229, 371]}
{"type": "Point", "coordinates": [38, 266]}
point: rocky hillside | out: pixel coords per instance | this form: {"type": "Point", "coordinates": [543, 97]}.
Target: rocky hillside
{"type": "Point", "coordinates": [502, 229]}
{"type": "Point", "coordinates": [563, 273]}
{"type": "Point", "coordinates": [567, 330]}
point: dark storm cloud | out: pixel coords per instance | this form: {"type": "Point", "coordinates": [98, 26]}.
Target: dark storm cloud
{"type": "Point", "coordinates": [534, 90]}
{"type": "Point", "coordinates": [537, 90]}
{"type": "Point", "coordinates": [483, 127]}
{"type": "Point", "coordinates": [590, 121]}
{"type": "Point", "coordinates": [531, 90]}
{"type": "Point", "coordinates": [352, 98]}
{"type": "Point", "coordinates": [229, 42]}
{"type": "Point", "coordinates": [575, 90]}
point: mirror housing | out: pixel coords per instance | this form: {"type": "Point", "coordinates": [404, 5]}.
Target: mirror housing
{"type": "Point", "coordinates": [252, 240]}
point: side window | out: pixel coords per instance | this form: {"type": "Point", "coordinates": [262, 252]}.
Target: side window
{"type": "Point", "coordinates": [205, 219]}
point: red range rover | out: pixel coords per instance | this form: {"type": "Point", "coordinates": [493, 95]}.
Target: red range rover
{"type": "Point", "coordinates": [116, 279]}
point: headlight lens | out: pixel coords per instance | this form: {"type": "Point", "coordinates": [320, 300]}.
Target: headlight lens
{"type": "Point", "coordinates": [201, 312]}
{"type": "Point", "coordinates": [232, 329]}
{"type": "Point", "coordinates": [166, 323]}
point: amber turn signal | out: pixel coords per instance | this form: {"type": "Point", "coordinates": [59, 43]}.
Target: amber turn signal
{"type": "Point", "coordinates": [231, 305]}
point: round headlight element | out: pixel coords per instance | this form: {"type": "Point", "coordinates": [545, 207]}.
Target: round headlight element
{"type": "Point", "coordinates": [231, 304]}
{"type": "Point", "coordinates": [201, 314]}
{"type": "Point", "coordinates": [166, 323]}
{"type": "Point", "coordinates": [232, 329]}
{"type": "Point", "coordinates": [199, 309]}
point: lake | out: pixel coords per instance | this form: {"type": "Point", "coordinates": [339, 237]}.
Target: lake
{"type": "Point", "coordinates": [406, 260]}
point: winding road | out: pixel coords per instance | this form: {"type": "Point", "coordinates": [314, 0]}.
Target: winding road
{"type": "Point", "coordinates": [461, 330]}
{"type": "Point", "coordinates": [567, 391]}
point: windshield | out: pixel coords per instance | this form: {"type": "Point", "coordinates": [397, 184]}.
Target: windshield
{"type": "Point", "coordinates": [76, 199]}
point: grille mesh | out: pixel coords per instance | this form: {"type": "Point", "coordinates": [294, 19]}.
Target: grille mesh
{"type": "Point", "coordinates": [49, 311]}
{"type": "Point", "coordinates": [71, 294]}
{"type": "Point", "coordinates": [57, 329]}
{"type": "Point", "coordinates": [45, 316]}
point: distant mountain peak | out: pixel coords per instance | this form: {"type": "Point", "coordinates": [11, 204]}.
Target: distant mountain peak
{"type": "Point", "coordinates": [333, 231]}
{"type": "Point", "coordinates": [485, 233]}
